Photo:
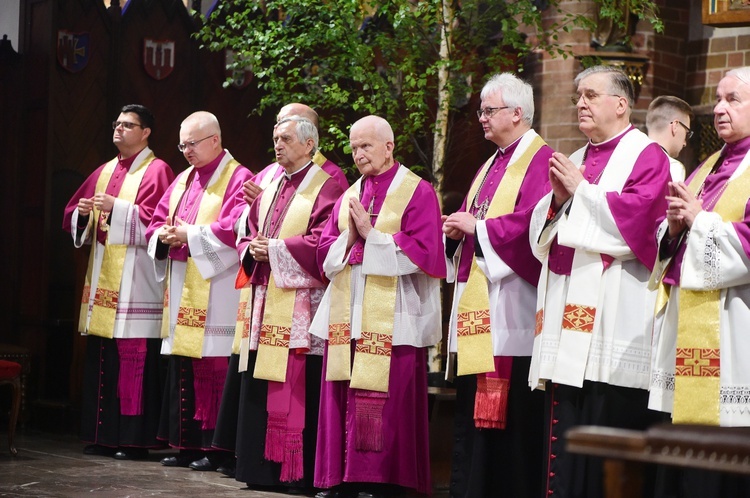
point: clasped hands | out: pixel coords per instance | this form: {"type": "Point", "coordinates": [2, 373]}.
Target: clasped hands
{"type": "Point", "coordinates": [682, 208]}
{"type": "Point", "coordinates": [564, 178]}
{"type": "Point", "coordinates": [101, 201]}
{"type": "Point", "coordinates": [175, 236]}
{"type": "Point", "coordinates": [359, 221]}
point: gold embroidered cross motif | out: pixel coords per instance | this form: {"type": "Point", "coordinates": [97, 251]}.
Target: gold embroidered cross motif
{"type": "Point", "coordinates": [579, 318]}
{"type": "Point", "coordinates": [191, 317]}
{"type": "Point", "coordinates": [106, 298]}
{"type": "Point", "coordinates": [698, 362]}
{"type": "Point", "coordinates": [339, 333]}
{"type": "Point", "coordinates": [374, 343]}
{"type": "Point", "coordinates": [274, 335]}
{"type": "Point", "coordinates": [473, 322]}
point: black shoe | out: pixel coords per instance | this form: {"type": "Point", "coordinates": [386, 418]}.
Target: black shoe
{"type": "Point", "coordinates": [131, 454]}
{"type": "Point", "coordinates": [98, 449]}
{"type": "Point", "coordinates": [227, 469]}
{"type": "Point", "coordinates": [177, 461]}
{"type": "Point", "coordinates": [203, 464]}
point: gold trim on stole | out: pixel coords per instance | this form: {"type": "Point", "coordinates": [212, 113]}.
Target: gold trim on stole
{"type": "Point", "coordinates": [473, 335]}
{"type": "Point", "coordinates": [697, 360]}
{"type": "Point", "coordinates": [193, 306]}
{"type": "Point", "coordinates": [372, 358]}
{"type": "Point", "coordinates": [106, 298]}
{"type": "Point", "coordinates": [278, 312]}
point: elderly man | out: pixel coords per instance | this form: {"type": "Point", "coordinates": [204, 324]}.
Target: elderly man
{"type": "Point", "coordinates": [122, 301]}
{"type": "Point", "coordinates": [497, 441]}
{"type": "Point", "coordinates": [225, 436]}
{"type": "Point", "coordinates": [280, 361]}
{"type": "Point", "coordinates": [383, 252]}
{"type": "Point", "coordinates": [701, 374]}
{"type": "Point", "coordinates": [594, 236]}
{"type": "Point", "coordinates": [193, 246]}
{"type": "Point", "coordinates": [668, 122]}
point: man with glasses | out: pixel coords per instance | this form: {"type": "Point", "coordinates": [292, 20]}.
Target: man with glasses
{"type": "Point", "coordinates": [594, 234]}
{"type": "Point", "coordinates": [497, 441]}
{"type": "Point", "coordinates": [225, 435]}
{"type": "Point", "coordinates": [668, 123]}
{"type": "Point", "coordinates": [192, 243]}
{"type": "Point", "coordinates": [122, 301]}
{"type": "Point", "coordinates": [280, 361]}
{"type": "Point", "coordinates": [701, 373]}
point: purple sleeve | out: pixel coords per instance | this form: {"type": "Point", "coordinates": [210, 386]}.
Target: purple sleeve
{"type": "Point", "coordinates": [303, 247]}
{"type": "Point", "coordinates": [87, 190]}
{"type": "Point", "coordinates": [642, 203]}
{"type": "Point", "coordinates": [743, 229]}
{"type": "Point", "coordinates": [509, 234]}
{"type": "Point", "coordinates": [223, 227]}
{"type": "Point", "coordinates": [155, 182]}
{"type": "Point", "coordinates": [421, 235]}
{"type": "Point", "coordinates": [337, 174]}
{"type": "Point", "coordinates": [161, 211]}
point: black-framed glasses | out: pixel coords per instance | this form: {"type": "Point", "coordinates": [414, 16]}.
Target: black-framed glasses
{"type": "Point", "coordinates": [688, 132]}
{"type": "Point", "coordinates": [125, 124]}
{"type": "Point", "coordinates": [488, 112]}
{"type": "Point", "coordinates": [182, 147]}
{"type": "Point", "coordinates": [590, 96]}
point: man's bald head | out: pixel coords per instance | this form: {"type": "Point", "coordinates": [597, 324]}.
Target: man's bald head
{"type": "Point", "coordinates": [202, 121]}
{"type": "Point", "coordinates": [371, 140]}
{"type": "Point", "coordinates": [297, 109]}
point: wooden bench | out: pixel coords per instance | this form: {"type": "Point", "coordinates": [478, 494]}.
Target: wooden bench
{"type": "Point", "coordinates": [625, 452]}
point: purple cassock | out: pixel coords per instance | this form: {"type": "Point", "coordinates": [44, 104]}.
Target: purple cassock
{"type": "Point", "coordinates": [642, 198]}
{"type": "Point", "coordinates": [509, 234]}
{"type": "Point", "coordinates": [489, 459]}
{"type": "Point", "coordinates": [187, 209]}
{"type": "Point", "coordinates": [404, 458]}
{"type": "Point", "coordinates": [121, 398]}
{"type": "Point", "coordinates": [195, 384]}
{"type": "Point", "coordinates": [731, 157]}
{"type": "Point", "coordinates": [257, 397]}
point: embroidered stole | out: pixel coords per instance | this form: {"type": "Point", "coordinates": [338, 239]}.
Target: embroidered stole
{"type": "Point", "coordinates": [474, 339]}
{"type": "Point", "coordinates": [193, 306]}
{"type": "Point", "coordinates": [245, 309]}
{"type": "Point", "coordinates": [372, 357]}
{"type": "Point", "coordinates": [580, 315]}
{"type": "Point", "coordinates": [278, 313]}
{"type": "Point", "coordinates": [697, 369]}
{"type": "Point", "coordinates": [104, 307]}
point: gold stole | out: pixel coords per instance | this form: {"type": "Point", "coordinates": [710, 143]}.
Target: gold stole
{"type": "Point", "coordinates": [193, 306]}
{"type": "Point", "coordinates": [697, 369]}
{"type": "Point", "coordinates": [245, 309]}
{"type": "Point", "coordinates": [106, 298]}
{"type": "Point", "coordinates": [474, 339]}
{"type": "Point", "coordinates": [372, 357]}
{"type": "Point", "coordinates": [278, 312]}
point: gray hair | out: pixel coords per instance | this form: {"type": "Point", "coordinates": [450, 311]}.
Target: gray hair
{"type": "Point", "coordinates": [516, 94]}
{"type": "Point", "coordinates": [741, 73]}
{"type": "Point", "coordinates": [305, 129]}
{"type": "Point", "coordinates": [619, 83]}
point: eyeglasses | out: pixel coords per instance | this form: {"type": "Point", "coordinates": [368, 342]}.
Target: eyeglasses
{"type": "Point", "coordinates": [590, 96]}
{"type": "Point", "coordinates": [125, 124]}
{"type": "Point", "coordinates": [185, 145]}
{"type": "Point", "coordinates": [488, 112]}
{"type": "Point", "coordinates": [688, 132]}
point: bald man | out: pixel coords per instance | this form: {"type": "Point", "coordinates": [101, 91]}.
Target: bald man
{"type": "Point", "coordinates": [382, 249]}
{"type": "Point", "coordinates": [193, 246]}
